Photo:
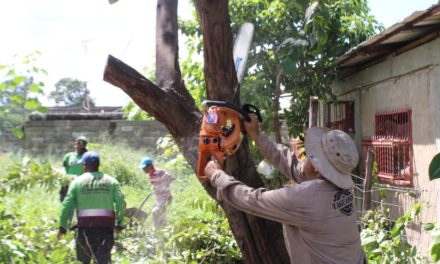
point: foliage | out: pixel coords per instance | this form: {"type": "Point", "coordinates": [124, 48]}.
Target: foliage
{"type": "Point", "coordinates": [328, 29]}
{"type": "Point", "coordinates": [27, 173]}
{"type": "Point", "coordinates": [27, 235]}
{"type": "Point", "coordinates": [192, 66]}
{"type": "Point", "coordinates": [171, 157]}
{"type": "Point", "coordinates": [19, 92]}
{"type": "Point", "coordinates": [277, 180]}
{"type": "Point", "coordinates": [28, 224]}
{"type": "Point", "coordinates": [201, 241]}
{"type": "Point", "coordinates": [133, 112]}
{"type": "Point", "coordinates": [71, 92]}
{"type": "Point", "coordinates": [120, 162]}
{"type": "Point", "coordinates": [435, 235]}
{"type": "Point", "coordinates": [30, 238]}
{"type": "Point", "coordinates": [303, 38]}
{"type": "Point", "coordinates": [382, 238]}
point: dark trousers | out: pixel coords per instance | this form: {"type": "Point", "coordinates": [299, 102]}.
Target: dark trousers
{"type": "Point", "coordinates": [63, 192]}
{"type": "Point", "coordinates": [94, 243]}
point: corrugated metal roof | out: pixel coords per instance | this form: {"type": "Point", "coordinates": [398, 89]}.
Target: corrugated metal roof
{"type": "Point", "coordinates": [418, 28]}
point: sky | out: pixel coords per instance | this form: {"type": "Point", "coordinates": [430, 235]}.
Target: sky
{"type": "Point", "coordinates": [75, 37]}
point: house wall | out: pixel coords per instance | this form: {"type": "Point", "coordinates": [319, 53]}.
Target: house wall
{"type": "Point", "coordinates": [409, 80]}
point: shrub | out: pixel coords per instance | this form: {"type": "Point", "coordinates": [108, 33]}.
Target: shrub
{"type": "Point", "coordinates": [382, 239]}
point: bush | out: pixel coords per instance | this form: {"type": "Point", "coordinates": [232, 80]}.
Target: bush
{"type": "Point", "coordinates": [382, 239]}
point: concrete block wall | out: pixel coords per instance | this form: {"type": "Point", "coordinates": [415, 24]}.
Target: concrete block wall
{"type": "Point", "coordinates": [57, 136]}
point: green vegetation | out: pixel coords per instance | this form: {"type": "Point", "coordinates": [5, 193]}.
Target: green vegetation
{"type": "Point", "coordinates": [19, 91]}
{"type": "Point", "coordinates": [71, 92]}
{"type": "Point", "coordinates": [295, 42]}
{"type": "Point", "coordinates": [383, 240]}
{"type": "Point", "coordinates": [197, 230]}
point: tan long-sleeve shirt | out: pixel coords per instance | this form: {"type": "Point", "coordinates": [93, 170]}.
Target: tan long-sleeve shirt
{"type": "Point", "coordinates": [319, 221]}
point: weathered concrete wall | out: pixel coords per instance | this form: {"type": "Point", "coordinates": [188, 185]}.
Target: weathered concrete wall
{"type": "Point", "coordinates": [9, 142]}
{"type": "Point", "coordinates": [57, 136]}
{"type": "Point", "coordinates": [408, 81]}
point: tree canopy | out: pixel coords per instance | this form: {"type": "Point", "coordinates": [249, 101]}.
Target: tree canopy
{"type": "Point", "coordinates": [293, 52]}
{"type": "Point", "coordinates": [71, 92]}
{"type": "Point", "coordinates": [19, 92]}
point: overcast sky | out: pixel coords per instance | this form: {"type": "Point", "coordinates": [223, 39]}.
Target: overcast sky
{"type": "Point", "coordinates": [75, 37]}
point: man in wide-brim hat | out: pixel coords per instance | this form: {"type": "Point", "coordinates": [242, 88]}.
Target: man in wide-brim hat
{"type": "Point", "coordinates": [317, 213]}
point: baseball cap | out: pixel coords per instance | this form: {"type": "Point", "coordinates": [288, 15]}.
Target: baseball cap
{"type": "Point", "coordinates": [89, 157]}
{"type": "Point", "coordinates": [333, 153]}
{"type": "Point", "coordinates": [145, 162]}
{"type": "Point", "coordinates": [81, 138]}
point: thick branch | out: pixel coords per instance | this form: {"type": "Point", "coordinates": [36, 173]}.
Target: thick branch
{"type": "Point", "coordinates": [167, 50]}
{"type": "Point", "coordinates": [177, 112]}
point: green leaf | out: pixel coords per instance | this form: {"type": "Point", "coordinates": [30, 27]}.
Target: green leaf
{"type": "Point", "coordinates": [289, 66]}
{"type": "Point", "coordinates": [16, 98]}
{"type": "Point", "coordinates": [112, 1]}
{"type": "Point", "coordinates": [34, 88]}
{"type": "Point", "coordinates": [32, 104]}
{"type": "Point", "coordinates": [18, 79]}
{"type": "Point", "coordinates": [428, 226]}
{"type": "Point", "coordinates": [18, 132]}
{"type": "Point", "coordinates": [434, 168]}
{"type": "Point", "coordinates": [435, 252]}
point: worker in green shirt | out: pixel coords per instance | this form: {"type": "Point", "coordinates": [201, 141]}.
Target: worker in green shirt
{"type": "Point", "coordinates": [71, 162]}
{"type": "Point", "coordinates": [100, 207]}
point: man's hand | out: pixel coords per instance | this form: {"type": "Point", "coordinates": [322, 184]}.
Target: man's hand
{"type": "Point", "coordinates": [118, 229]}
{"type": "Point", "coordinates": [252, 127]}
{"type": "Point", "coordinates": [211, 168]}
{"type": "Point", "coordinates": [62, 231]}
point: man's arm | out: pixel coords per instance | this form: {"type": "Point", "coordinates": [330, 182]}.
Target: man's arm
{"type": "Point", "coordinates": [68, 205]}
{"type": "Point", "coordinates": [283, 205]}
{"type": "Point", "coordinates": [119, 201]}
{"type": "Point", "coordinates": [65, 162]}
{"type": "Point", "coordinates": [278, 154]}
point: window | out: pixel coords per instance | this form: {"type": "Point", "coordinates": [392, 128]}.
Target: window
{"type": "Point", "coordinates": [392, 144]}
{"type": "Point", "coordinates": [313, 111]}
{"type": "Point", "coordinates": [340, 116]}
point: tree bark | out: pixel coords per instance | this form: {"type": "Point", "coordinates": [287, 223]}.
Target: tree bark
{"type": "Point", "coordinates": [276, 105]}
{"type": "Point", "coordinates": [260, 240]}
{"type": "Point", "coordinates": [167, 46]}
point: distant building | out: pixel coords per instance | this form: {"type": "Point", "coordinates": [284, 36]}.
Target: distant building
{"type": "Point", "coordinates": [54, 132]}
{"type": "Point", "coordinates": [80, 113]}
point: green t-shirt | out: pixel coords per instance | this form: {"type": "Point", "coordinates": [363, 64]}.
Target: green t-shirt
{"type": "Point", "coordinates": [94, 190]}
{"type": "Point", "coordinates": [72, 164]}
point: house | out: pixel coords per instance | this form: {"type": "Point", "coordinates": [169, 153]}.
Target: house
{"type": "Point", "coordinates": [389, 101]}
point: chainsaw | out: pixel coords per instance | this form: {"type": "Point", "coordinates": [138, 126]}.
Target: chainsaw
{"type": "Point", "coordinates": [221, 131]}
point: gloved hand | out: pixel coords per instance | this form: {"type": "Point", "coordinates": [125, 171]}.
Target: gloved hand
{"type": "Point", "coordinates": [252, 127]}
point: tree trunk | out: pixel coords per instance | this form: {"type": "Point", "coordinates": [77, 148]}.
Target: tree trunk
{"type": "Point", "coordinates": [260, 240]}
{"type": "Point", "coordinates": [276, 105]}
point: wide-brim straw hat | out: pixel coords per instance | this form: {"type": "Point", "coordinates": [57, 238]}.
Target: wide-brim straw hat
{"type": "Point", "coordinates": [333, 153]}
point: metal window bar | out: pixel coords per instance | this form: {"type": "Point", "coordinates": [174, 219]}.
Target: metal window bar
{"type": "Point", "coordinates": [340, 116]}
{"type": "Point", "coordinates": [392, 144]}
